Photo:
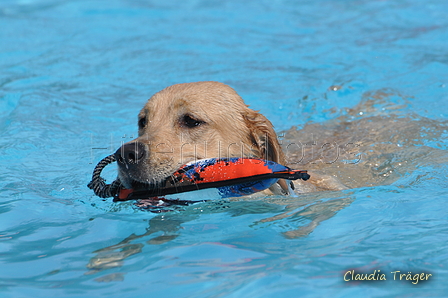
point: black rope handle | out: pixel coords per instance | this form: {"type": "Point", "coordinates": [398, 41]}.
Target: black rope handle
{"type": "Point", "coordinates": [98, 184]}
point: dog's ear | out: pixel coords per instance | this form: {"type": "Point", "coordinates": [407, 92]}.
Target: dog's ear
{"type": "Point", "coordinates": [263, 137]}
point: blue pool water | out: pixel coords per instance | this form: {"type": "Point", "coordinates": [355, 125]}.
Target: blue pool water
{"type": "Point", "coordinates": [74, 75]}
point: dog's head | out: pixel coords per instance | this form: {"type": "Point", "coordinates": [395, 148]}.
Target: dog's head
{"type": "Point", "coordinates": [187, 122]}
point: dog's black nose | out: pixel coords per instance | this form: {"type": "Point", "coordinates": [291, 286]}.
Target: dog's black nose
{"type": "Point", "coordinates": [130, 153]}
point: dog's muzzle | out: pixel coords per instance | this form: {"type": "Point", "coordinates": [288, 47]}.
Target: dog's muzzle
{"type": "Point", "coordinates": [130, 155]}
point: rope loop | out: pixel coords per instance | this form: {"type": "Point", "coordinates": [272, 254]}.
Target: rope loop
{"type": "Point", "coordinates": [98, 184]}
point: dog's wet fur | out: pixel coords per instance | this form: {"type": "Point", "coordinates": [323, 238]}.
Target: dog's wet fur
{"type": "Point", "coordinates": [192, 121]}
{"type": "Point", "coordinates": [373, 143]}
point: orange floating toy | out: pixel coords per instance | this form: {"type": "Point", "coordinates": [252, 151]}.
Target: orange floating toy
{"type": "Point", "coordinates": [231, 177]}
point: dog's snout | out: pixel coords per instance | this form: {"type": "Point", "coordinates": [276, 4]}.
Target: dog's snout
{"type": "Point", "coordinates": [131, 153]}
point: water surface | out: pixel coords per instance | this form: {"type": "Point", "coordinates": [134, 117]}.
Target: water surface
{"type": "Point", "coordinates": [76, 73]}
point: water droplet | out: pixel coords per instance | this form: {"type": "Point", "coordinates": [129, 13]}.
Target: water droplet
{"type": "Point", "coordinates": [335, 87]}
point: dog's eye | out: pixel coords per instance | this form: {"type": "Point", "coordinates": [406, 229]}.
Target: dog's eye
{"type": "Point", "coordinates": [141, 122]}
{"type": "Point", "coordinates": [190, 122]}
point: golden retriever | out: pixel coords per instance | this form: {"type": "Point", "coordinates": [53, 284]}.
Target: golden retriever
{"type": "Point", "coordinates": [192, 121]}
{"type": "Point", "coordinates": [364, 146]}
